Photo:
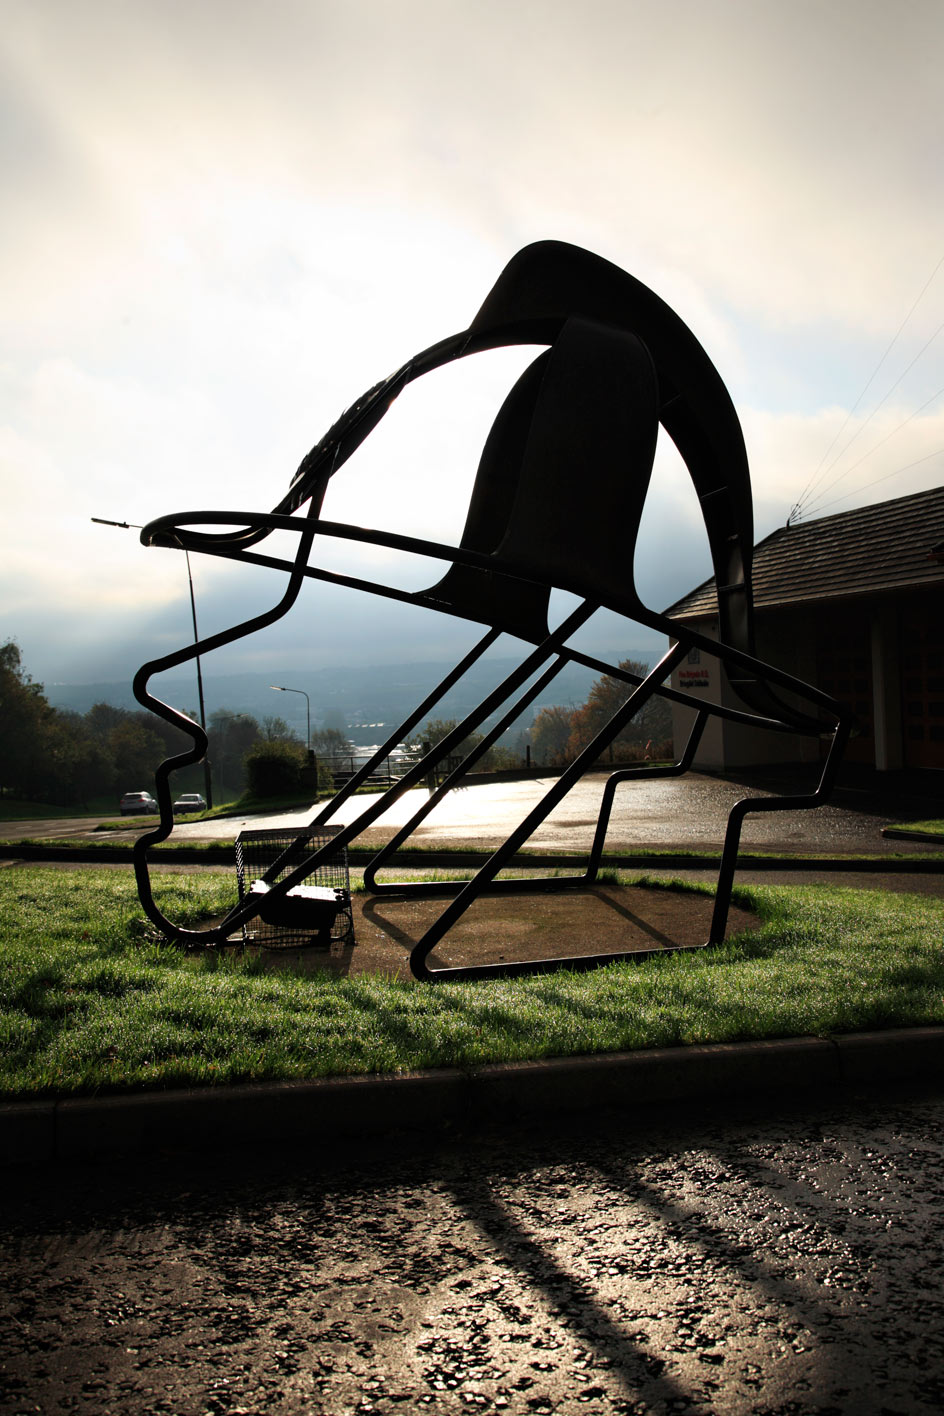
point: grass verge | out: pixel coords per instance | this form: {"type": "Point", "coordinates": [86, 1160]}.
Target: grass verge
{"type": "Point", "coordinates": [14, 809]}
{"type": "Point", "coordinates": [637, 856]}
{"type": "Point", "coordinates": [927, 828]}
{"type": "Point", "coordinates": [88, 1003]}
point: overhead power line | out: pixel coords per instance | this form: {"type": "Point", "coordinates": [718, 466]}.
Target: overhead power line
{"type": "Point", "coordinates": [866, 455]}
{"type": "Point", "coordinates": [876, 409]}
{"type": "Point", "coordinates": [822, 469]}
{"type": "Point", "coordinates": [884, 478]}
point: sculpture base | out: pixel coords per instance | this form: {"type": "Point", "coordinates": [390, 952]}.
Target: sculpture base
{"type": "Point", "coordinates": [501, 928]}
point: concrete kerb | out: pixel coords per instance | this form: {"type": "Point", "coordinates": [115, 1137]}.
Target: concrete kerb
{"type": "Point", "coordinates": [339, 1110]}
{"type": "Point", "coordinates": [901, 833]}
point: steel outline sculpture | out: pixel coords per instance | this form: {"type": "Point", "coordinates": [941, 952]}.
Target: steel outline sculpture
{"type": "Point", "coordinates": [617, 363]}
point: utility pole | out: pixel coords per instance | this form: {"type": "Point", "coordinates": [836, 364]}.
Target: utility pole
{"type": "Point", "coordinates": [131, 526]}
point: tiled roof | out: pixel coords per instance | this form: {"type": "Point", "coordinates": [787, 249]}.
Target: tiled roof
{"type": "Point", "coordinates": [890, 546]}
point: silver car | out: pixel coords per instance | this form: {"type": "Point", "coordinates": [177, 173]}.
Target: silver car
{"type": "Point", "coordinates": [137, 804]}
{"type": "Point", "coordinates": [190, 801]}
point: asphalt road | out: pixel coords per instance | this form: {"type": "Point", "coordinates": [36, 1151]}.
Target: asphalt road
{"type": "Point", "coordinates": [682, 812]}
{"type": "Point", "coordinates": [740, 1265]}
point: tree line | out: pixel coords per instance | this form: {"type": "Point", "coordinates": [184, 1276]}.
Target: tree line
{"type": "Point", "coordinates": [63, 758]}
{"type": "Point", "coordinates": [559, 735]}
{"type": "Point", "coordinates": [60, 757]}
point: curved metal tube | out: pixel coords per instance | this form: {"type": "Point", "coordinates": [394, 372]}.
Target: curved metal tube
{"type": "Point", "coordinates": [143, 844]}
{"type": "Point", "coordinates": [594, 318]}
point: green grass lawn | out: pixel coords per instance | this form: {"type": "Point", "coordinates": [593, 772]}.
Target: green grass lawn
{"type": "Point", "coordinates": [930, 828]}
{"type": "Point", "coordinates": [13, 809]}
{"type": "Point", "coordinates": [90, 1003]}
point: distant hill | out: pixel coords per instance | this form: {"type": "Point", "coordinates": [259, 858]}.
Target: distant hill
{"type": "Point", "coordinates": [364, 700]}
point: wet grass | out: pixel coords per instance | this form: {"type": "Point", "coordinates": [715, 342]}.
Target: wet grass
{"type": "Point", "coordinates": [639, 857]}
{"type": "Point", "coordinates": [16, 809]}
{"type": "Point", "coordinates": [89, 1002]}
{"type": "Point", "coordinates": [928, 828]}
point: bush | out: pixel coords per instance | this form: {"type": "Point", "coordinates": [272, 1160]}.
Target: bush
{"type": "Point", "coordinates": [274, 768]}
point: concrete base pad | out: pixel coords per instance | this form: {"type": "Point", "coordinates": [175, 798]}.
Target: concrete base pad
{"type": "Point", "coordinates": [501, 928]}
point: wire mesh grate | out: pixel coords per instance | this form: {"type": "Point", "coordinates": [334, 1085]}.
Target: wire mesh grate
{"type": "Point", "coordinates": [316, 914]}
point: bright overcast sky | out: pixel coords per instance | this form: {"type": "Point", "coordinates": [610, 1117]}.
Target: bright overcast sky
{"type": "Point", "coordinates": [223, 220]}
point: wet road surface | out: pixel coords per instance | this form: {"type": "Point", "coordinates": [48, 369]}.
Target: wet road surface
{"type": "Point", "coordinates": [767, 1266]}
{"type": "Point", "coordinates": [657, 814]}
{"type": "Point", "coordinates": [686, 812]}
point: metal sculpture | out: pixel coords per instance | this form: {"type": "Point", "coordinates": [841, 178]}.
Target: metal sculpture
{"type": "Point", "coordinates": [575, 436]}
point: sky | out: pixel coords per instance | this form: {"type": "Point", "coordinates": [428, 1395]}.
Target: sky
{"type": "Point", "coordinates": [223, 220]}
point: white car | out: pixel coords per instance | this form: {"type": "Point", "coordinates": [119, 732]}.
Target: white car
{"type": "Point", "coordinates": [190, 801]}
{"type": "Point", "coordinates": [137, 804]}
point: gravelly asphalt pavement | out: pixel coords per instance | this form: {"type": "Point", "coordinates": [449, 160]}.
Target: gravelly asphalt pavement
{"type": "Point", "coordinates": [684, 812]}
{"type": "Point", "coordinates": [690, 811]}
{"type": "Point", "coordinates": [740, 1265]}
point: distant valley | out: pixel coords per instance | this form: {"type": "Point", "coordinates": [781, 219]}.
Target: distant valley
{"type": "Point", "coordinates": [364, 701]}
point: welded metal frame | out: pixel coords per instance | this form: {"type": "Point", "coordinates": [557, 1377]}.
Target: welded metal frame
{"type": "Point", "coordinates": [261, 856]}
{"type": "Point", "coordinates": [617, 362]}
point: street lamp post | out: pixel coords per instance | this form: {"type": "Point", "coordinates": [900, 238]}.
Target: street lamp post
{"type": "Point", "coordinates": [131, 526]}
{"type": "Point", "coordinates": [280, 688]}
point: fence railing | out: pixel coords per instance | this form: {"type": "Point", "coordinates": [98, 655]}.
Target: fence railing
{"type": "Point", "coordinates": [343, 766]}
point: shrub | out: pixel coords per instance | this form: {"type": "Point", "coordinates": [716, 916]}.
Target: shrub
{"type": "Point", "coordinates": [274, 768]}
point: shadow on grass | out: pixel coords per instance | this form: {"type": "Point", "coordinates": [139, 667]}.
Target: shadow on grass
{"type": "Point", "coordinates": [75, 977]}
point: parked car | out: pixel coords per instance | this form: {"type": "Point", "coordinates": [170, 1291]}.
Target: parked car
{"type": "Point", "coordinates": [190, 801]}
{"type": "Point", "coordinates": [138, 804]}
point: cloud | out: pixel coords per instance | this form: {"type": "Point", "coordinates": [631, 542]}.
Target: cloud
{"type": "Point", "coordinates": [224, 221]}
{"type": "Point", "coordinates": [832, 463]}
{"type": "Point", "coordinates": [732, 141]}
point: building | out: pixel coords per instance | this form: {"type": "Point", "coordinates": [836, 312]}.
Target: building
{"type": "Point", "coordinates": [853, 603]}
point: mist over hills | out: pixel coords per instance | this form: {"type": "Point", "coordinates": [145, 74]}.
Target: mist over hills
{"type": "Point", "coordinates": [360, 699]}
